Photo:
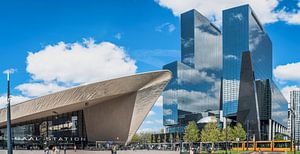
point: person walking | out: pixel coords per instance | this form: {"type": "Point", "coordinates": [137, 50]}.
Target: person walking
{"type": "Point", "coordinates": [75, 148]}
{"type": "Point", "coordinates": [65, 149]}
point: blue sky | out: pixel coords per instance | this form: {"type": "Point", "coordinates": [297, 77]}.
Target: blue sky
{"type": "Point", "coordinates": [142, 35]}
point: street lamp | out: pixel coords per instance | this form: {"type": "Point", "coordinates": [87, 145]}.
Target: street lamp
{"type": "Point", "coordinates": [8, 121]}
{"type": "Point", "coordinates": [247, 136]}
{"type": "Point", "coordinates": [226, 135]}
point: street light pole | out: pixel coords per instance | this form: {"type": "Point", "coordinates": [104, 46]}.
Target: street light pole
{"type": "Point", "coordinates": [9, 137]}
{"type": "Point", "coordinates": [226, 136]}
{"type": "Point", "coordinates": [247, 134]}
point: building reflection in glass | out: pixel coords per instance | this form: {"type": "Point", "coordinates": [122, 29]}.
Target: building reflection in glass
{"type": "Point", "coordinates": [194, 91]}
{"type": "Point", "coordinates": [243, 32]}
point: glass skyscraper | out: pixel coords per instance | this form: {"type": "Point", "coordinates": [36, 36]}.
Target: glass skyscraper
{"type": "Point", "coordinates": [243, 35]}
{"type": "Point", "coordinates": [194, 92]}
{"type": "Point", "coordinates": [295, 106]}
{"type": "Point", "coordinates": [243, 32]}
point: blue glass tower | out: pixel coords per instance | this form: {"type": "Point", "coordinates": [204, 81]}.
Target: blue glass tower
{"type": "Point", "coordinates": [194, 92]}
{"type": "Point", "coordinates": [243, 32]}
{"type": "Point", "coordinates": [250, 95]}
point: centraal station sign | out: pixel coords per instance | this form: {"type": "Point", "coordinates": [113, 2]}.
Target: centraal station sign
{"type": "Point", "coordinates": [56, 139]}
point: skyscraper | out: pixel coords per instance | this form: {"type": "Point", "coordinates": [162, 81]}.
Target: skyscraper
{"type": "Point", "coordinates": [243, 32]}
{"type": "Point", "coordinates": [249, 94]}
{"type": "Point", "coordinates": [294, 106]}
{"type": "Point", "coordinates": [194, 92]}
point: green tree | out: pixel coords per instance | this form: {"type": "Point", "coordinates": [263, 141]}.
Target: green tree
{"type": "Point", "coordinates": [136, 138]}
{"type": "Point", "coordinates": [239, 132]}
{"type": "Point", "coordinates": [177, 138]}
{"type": "Point", "coordinates": [191, 133]}
{"type": "Point", "coordinates": [211, 133]}
{"type": "Point", "coordinates": [145, 137]}
{"type": "Point", "coordinates": [278, 137]}
{"type": "Point", "coordinates": [158, 139]}
{"type": "Point", "coordinates": [230, 134]}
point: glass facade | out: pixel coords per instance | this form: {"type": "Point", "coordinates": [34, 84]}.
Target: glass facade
{"type": "Point", "coordinates": [66, 129]}
{"type": "Point", "coordinates": [194, 91]}
{"type": "Point", "coordinates": [295, 101]}
{"type": "Point", "coordinates": [279, 111]}
{"type": "Point", "coordinates": [243, 32]}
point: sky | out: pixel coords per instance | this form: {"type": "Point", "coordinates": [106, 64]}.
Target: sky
{"type": "Point", "coordinates": [52, 45]}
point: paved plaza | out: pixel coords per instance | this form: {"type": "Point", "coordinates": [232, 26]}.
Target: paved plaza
{"type": "Point", "coordinates": [93, 152]}
{"type": "Point", "coordinates": [119, 152]}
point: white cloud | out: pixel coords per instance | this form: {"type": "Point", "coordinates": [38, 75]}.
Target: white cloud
{"type": "Point", "coordinates": [80, 63]}
{"type": "Point", "coordinates": [39, 89]}
{"type": "Point", "coordinates": [167, 112]}
{"type": "Point", "coordinates": [159, 102]}
{"type": "Point", "coordinates": [151, 113]}
{"type": "Point", "coordinates": [239, 16]}
{"type": "Point", "coordinates": [194, 101]}
{"type": "Point", "coordinates": [150, 130]}
{"type": "Point", "coordinates": [151, 122]}
{"type": "Point", "coordinates": [118, 36]}
{"type": "Point", "coordinates": [170, 121]}
{"type": "Point", "coordinates": [14, 100]}
{"type": "Point", "coordinates": [60, 66]}
{"type": "Point", "coordinates": [292, 18]}
{"type": "Point", "coordinates": [194, 76]}
{"type": "Point", "coordinates": [231, 57]}
{"type": "Point", "coordinates": [286, 91]}
{"type": "Point", "coordinates": [165, 26]}
{"type": "Point", "coordinates": [265, 9]}
{"type": "Point", "coordinates": [288, 72]}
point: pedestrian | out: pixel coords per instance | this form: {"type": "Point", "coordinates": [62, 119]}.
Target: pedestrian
{"type": "Point", "coordinates": [75, 148]}
{"type": "Point", "coordinates": [65, 149]}
{"type": "Point", "coordinates": [46, 151]}
{"type": "Point", "coordinates": [57, 151]}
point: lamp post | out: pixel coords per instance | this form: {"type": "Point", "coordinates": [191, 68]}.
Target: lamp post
{"type": "Point", "coordinates": [226, 135]}
{"type": "Point", "coordinates": [9, 140]}
{"type": "Point", "coordinates": [247, 136]}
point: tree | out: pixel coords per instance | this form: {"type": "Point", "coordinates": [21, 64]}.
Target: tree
{"type": "Point", "coordinates": [239, 132]}
{"type": "Point", "coordinates": [136, 138]}
{"type": "Point", "coordinates": [145, 137]}
{"type": "Point", "coordinates": [158, 139]}
{"type": "Point", "coordinates": [177, 138]}
{"type": "Point", "coordinates": [211, 133]}
{"type": "Point", "coordinates": [171, 139]}
{"type": "Point", "coordinates": [230, 134]}
{"type": "Point", "coordinates": [191, 133]}
{"type": "Point", "coordinates": [278, 137]}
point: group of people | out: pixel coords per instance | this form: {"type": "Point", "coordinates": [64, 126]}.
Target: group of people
{"type": "Point", "coordinates": [56, 150]}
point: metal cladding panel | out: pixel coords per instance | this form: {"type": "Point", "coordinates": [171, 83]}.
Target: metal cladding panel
{"type": "Point", "coordinates": [248, 105]}
{"type": "Point", "coordinates": [119, 119]}
{"type": "Point", "coordinates": [102, 102]}
{"type": "Point", "coordinates": [110, 120]}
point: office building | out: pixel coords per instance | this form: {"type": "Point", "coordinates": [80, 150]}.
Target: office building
{"type": "Point", "coordinates": [193, 93]}
{"type": "Point", "coordinates": [249, 93]}
{"type": "Point", "coordinates": [294, 115]}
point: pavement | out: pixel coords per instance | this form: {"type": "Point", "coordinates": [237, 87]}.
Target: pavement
{"type": "Point", "coordinates": [93, 152]}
